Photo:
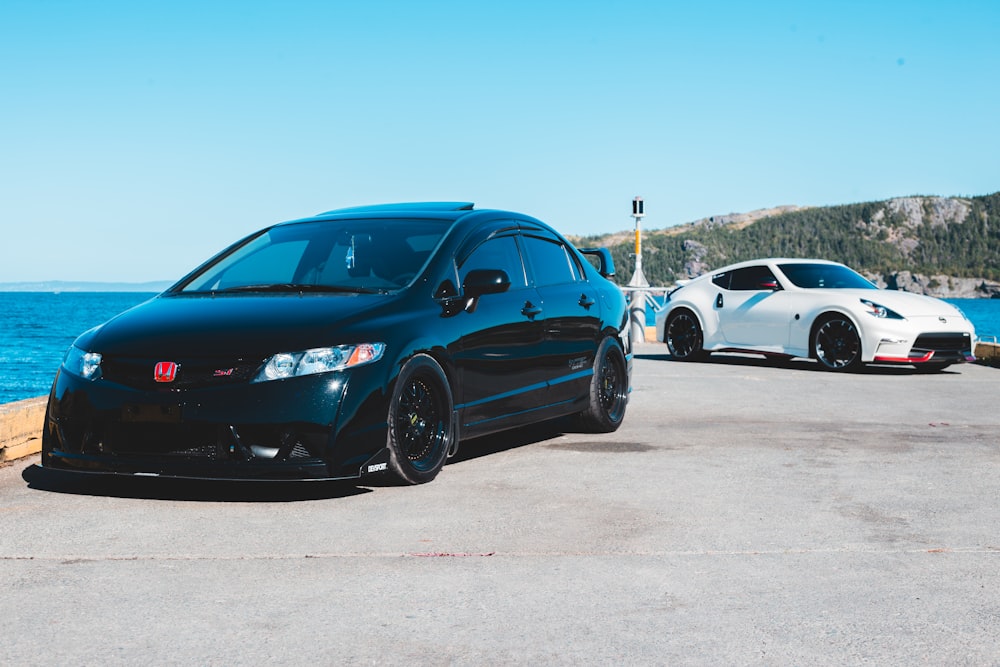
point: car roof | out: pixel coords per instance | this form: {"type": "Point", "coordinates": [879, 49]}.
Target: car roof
{"type": "Point", "coordinates": [450, 211]}
{"type": "Point", "coordinates": [405, 207]}
{"type": "Point", "coordinates": [770, 260]}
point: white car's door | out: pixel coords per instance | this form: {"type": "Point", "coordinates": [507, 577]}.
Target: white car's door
{"type": "Point", "coordinates": [754, 312]}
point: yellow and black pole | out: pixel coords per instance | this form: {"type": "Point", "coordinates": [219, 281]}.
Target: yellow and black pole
{"type": "Point", "coordinates": [637, 302]}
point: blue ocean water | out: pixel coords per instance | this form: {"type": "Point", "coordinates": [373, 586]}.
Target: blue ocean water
{"type": "Point", "coordinates": [39, 326]}
{"type": "Point", "coordinates": [37, 329]}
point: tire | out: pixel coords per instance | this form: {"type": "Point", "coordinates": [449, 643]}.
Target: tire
{"type": "Point", "coordinates": [47, 438]}
{"type": "Point", "coordinates": [836, 344]}
{"type": "Point", "coordinates": [683, 336]}
{"type": "Point", "coordinates": [608, 390]}
{"type": "Point", "coordinates": [419, 421]}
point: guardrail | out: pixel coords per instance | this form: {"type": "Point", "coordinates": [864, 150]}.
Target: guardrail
{"type": "Point", "coordinates": [641, 298]}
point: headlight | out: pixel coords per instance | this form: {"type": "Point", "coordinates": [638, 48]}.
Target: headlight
{"type": "Point", "coordinates": [85, 364]}
{"type": "Point", "coordinates": [876, 310]}
{"type": "Point", "coordinates": [319, 360]}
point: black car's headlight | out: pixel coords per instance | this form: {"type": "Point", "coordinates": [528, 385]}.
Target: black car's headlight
{"type": "Point", "coordinates": [880, 311]}
{"type": "Point", "coordinates": [85, 364]}
{"type": "Point", "coordinates": [319, 360]}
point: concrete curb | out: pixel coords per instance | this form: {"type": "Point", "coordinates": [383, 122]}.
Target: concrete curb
{"type": "Point", "coordinates": [988, 353]}
{"type": "Point", "coordinates": [21, 428]}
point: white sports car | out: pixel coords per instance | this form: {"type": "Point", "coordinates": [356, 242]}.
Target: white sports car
{"type": "Point", "coordinates": [811, 308]}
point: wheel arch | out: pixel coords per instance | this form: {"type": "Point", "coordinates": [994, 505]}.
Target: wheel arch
{"type": "Point", "coordinates": [826, 314]}
{"type": "Point", "coordinates": [691, 308]}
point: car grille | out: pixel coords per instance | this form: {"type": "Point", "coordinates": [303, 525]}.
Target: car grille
{"type": "Point", "coordinates": [191, 374]}
{"type": "Point", "coordinates": [945, 346]}
{"type": "Point", "coordinates": [941, 342]}
{"type": "Point", "coordinates": [244, 442]}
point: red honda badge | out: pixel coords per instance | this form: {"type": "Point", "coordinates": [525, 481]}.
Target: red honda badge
{"type": "Point", "coordinates": [166, 371]}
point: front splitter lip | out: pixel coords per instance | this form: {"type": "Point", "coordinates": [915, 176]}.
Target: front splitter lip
{"type": "Point", "coordinates": [192, 470]}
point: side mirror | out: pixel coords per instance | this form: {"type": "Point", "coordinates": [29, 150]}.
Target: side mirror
{"type": "Point", "coordinates": [485, 281]}
{"type": "Point", "coordinates": [605, 265]}
{"type": "Point", "coordinates": [770, 284]}
{"type": "Point", "coordinates": [477, 283]}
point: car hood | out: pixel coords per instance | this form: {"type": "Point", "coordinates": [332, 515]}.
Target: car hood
{"type": "Point", "coordinates": [906, 304]}
{"type": "Point", "coordinates": [234, 325]}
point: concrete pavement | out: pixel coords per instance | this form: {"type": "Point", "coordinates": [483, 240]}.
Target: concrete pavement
{"type": "Point", "coordinates": [747, 512]}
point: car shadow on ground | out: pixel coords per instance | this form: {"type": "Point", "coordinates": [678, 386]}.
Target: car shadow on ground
{"type": "Point", "coordinates": [794, 363]}
{"type": "Point", "coordinates": [164, 488]}
{"type": "Point", "coordinates": [507, 440]}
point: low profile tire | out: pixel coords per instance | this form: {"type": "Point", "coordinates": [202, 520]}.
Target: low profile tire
{"type": "Point", "coordinates": [420, 426]}
{"type": "Point", "coordinates": [47, 438]}
{"type": "Point", "coordinates": [683, 336]}
{"type": "Point", "coordinates": [836, 344]}
{"type": "Point", "coordinates": [608, 390]}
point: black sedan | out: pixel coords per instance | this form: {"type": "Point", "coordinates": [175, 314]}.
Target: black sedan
{"type": "Point", "coordinates": [360, 341]}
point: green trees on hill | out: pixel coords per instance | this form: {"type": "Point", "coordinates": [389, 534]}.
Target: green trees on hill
{"type": "Point", "coordinates": [926, 235]}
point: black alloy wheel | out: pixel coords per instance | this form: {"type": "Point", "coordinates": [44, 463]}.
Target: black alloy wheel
{"type": "Point", "coordinates": [836, 344]}
{"type": "Point", "coordinates": [420, 426]}
{"type": "Point", "coordinates": [683, 336]}
{"type": "Point", "coordinates": [608, 390]}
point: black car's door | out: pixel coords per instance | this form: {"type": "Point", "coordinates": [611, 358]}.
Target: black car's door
{"type": "Point", "coordinates": [572, 314]}
{"type": "Point", "coordinates": [498, 352]}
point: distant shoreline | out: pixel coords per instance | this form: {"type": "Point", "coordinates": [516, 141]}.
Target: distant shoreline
{"type": "Point", "coordinates": [56, 286]}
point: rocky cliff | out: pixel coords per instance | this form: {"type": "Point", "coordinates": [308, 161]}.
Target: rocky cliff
{"type": "Point", "coordinates": [941, 286]}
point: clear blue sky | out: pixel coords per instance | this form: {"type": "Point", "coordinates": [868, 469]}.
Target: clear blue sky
{"type": "Point", "coordinates": [138, 138]}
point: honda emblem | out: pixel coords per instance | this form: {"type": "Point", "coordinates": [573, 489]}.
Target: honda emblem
{"type": "Point", "coordinates": [166, 371]}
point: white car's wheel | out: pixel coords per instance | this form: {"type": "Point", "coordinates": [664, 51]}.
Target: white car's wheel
{"type": "Point", "coordinates": [683, 336]}
{"type": "Point", "coordinates": [836, 344]}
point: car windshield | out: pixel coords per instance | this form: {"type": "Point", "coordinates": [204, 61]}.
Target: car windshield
{"type": "Point", "coordinates": [825, 276]}
{"type": "Point", "coordinates": [372, 255]}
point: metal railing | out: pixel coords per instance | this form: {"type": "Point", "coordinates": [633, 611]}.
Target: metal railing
{"type": "Point", "coordinates": [639, 299]}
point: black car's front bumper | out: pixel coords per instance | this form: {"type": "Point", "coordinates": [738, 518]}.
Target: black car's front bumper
{"type": "Point", "coordinates": [292, 429]}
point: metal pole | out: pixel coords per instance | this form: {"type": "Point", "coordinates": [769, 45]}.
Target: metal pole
{"type": "Point", "coordinates": [637, 302]}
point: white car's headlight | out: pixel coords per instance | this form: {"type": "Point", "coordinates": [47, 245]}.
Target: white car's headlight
{"type": "Point", "coordinates": [880, 311]}
{"type": "Point", "coordinates": [85, 364]}
{"type": "Point", "coordinates": [319, 360]}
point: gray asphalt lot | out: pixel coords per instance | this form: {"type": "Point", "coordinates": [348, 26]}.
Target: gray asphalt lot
{"type": "Point", "coordinates": [747, 513]}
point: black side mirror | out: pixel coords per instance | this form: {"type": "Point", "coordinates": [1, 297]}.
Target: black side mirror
{"type": "Point", "coordinates": [485, 281]}
{"type": "Point", "coordinates": [477, 283]}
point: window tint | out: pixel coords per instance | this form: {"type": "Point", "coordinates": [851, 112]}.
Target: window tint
{"type": "Point", "coordinates": [257, 263]}
{"type": "Point", "coordinates": [550, 261]}
{"type": "Point", "coordinates": [496, 253]}
{"type": "Point", "coordinates": [825, 276]}
{"type": "Point", "coordinates": [751, 278]}
{"type": "Point", "coordinates": [721, 280]}
{"type": "Point", "coordinates": [364, 254]}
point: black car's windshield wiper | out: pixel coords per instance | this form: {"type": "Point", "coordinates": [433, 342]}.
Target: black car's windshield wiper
{"type": "Point", "coordinates": [298, 288]}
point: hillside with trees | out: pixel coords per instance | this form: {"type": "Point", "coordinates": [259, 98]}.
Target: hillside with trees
{"type": "Point", "coordinates": [946, 246]}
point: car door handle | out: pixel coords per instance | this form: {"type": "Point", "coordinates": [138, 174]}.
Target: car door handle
{"type": "Point", "coordinates": [586, 301]}
{"type": "Point", "coordinates": [530, 310]}
{"type": "Point", "coordinates": [718, 301]}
